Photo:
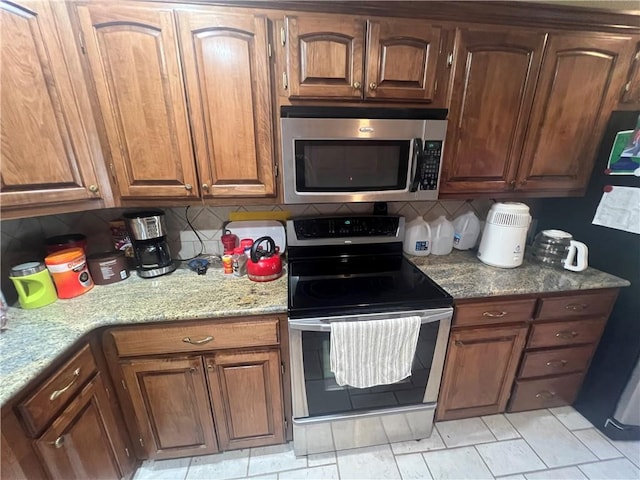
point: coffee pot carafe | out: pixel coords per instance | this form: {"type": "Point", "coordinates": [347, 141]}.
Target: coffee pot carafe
{"type": "Point", "coordinates": [557, 248]}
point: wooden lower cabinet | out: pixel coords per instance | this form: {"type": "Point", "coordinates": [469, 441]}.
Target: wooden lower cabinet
{"type": "Point", "coordinates": [247, 398]}
{"type": "Point", "coordinates": [479, 371]}
{"type": "Point", "coordinates": [199, 387]}
{"type": "Point", "coordinates": [169, 397]}
{"type": "Point", "coordinates": [81, 442]}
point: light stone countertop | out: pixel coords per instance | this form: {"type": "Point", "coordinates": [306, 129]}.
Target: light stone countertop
{"type": "Point", "coordinates": [35, 338]}
{"type": "Point", "coordinates": [464, 276]}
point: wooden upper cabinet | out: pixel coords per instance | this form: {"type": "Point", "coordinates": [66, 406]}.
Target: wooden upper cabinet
{"type": "Point", "coordinates": [325, 56]}
{"type": "Point", "coordinates": [133, 57]}
{"type": "Point", "coordinates": [631, 91]}
{"type": "Point", "coordinates": [171, 405]}
{"type": "Point", "coordinates": [246, 393]}
{"type": "Point", "coordinates": [226, 66]}
{"type": "Point", "coordinates": [402, 60]}
{"type": "Point", "coordinates": [46, 157]}
{"type": "Point", "coordinates": [494, 82]}
{"type": "Point", "coordinates": [479, 371]}
{"type": "Point", "coordinates": [580, 83]}
{"type": "Point", "coordinates": [82, 442]}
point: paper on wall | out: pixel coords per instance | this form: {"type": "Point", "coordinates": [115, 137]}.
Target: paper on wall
{"type": "Point", "coordinates": [619, 209]}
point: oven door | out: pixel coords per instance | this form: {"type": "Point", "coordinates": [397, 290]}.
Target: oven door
{"type": "Point", "coordinates": [329, 417]}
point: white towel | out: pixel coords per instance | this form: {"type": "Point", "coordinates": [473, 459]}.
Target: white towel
{"type": "Point", "coordinates": [375, 352]}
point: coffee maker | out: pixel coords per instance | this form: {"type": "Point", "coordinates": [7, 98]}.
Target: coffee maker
{"type": "Point", "coordinates": [149, 239]}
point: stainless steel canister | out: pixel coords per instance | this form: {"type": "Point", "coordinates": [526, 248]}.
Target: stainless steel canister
{"type": "Point", "coordinates": [146, 225]}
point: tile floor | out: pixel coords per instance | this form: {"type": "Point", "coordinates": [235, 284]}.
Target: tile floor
{"type": "Point", "coordinates": [554, 444]}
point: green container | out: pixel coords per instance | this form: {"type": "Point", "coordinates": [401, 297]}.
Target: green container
{"type": "Point", "coordinates": [34, 285]}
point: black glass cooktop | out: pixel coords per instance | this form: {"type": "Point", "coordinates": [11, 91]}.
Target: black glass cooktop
{"type": "Point", "coordinates": [363, 284]}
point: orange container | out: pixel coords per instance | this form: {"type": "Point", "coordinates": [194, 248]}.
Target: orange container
{"type": "Point", "coordinates": [69, 271]}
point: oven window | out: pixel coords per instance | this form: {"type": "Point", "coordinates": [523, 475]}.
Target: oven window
{"type": "Point", "coordinates": [351, 165]}
{"type": "Point", "coordinates": [325, 396]}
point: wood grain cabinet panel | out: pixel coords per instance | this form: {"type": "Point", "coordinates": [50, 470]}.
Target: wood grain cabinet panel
{"type": "Point", "coordinates": [557, 334]}
{"type": "Point", "coordinates": [226, 65]}
{"type": "Point", "coordinates": [133, 57]}
{"type": "Point", "coordinates": [46, 157]}
{"type": "Point", "coordinates": [479, 371]}
{"type": "Point", "coordinates": [171, 405]}
{"type": "Point", "coordinates": [574, 306]}
{"type": "Point", "coordinates": [631, 91]}
{"type": "Point", "coordinates": [246, 393]}
{"type": "Point", "coordinates": [580, 83]}
{"type": "Point", "coordinates": [402, 60]}
{"type": "Point", "coordinates": [325, 56]}
{"type": "Point", "coordinates": [493, 88]}
{"type": "Point", "coordinates": [556, 361]}
{"type": "Point", "coordinates": [545, 393]}
{"type": "Point", "coordinates": [494, 312]}
{"type": "Point", "coordinates": [81, 442]}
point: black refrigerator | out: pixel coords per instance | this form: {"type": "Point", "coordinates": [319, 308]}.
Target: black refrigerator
{"type": "Point", "coordinates": [610, 395]}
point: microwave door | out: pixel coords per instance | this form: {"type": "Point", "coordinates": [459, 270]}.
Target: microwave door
{"type": "Point", "coordinates": [417, 160]}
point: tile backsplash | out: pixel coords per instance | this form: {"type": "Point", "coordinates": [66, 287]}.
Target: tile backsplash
{"type": "Point", "coordinates": [22, 240]}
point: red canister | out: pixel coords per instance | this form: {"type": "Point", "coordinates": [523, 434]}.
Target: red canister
{"type": "Point", "coordinates": [229, 242]}
{"type": "Point", "coordinates": [69, 271]}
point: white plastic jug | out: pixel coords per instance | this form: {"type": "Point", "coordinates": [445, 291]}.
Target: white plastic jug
{"type": "Point", "coordinates": [441, 236]}
{"type": "Point", "coordinates": [466, 228]}
{"type": "Point", "coordinates": [417, 238]}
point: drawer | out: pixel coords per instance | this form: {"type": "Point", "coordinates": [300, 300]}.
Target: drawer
{"type": "Point", "coordinates": [494, 312]}
{"type": "Point", "coordinates": [544, 393]}
{"type": "Point", "coordinates": [556, 361]}
{"type": "Point", "coordinates": [597, 304]}
{"type": "Point", "coordinates": [557, 334]}
{"type": "Point", "coordinates": [198, 337]}
{"type": "Point", "coordinates": [49, 398]}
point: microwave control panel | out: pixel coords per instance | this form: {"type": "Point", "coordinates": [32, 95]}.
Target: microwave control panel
{"type": "Point", "coordinates": [430, 165]}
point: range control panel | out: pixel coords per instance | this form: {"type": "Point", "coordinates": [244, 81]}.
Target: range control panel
{"type": "Point", "coordinates": [357, 226]}
{"type": "Point", "coordinates": [430, 165]}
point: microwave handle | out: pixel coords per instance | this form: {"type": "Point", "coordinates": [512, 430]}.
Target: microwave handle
{"type": "Point", "coordinates": [418, 160]}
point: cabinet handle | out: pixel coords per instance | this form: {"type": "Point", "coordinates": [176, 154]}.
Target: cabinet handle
{"type": "Point", "coordinates": [450, 59]}
{"type": "Point", "coordinates": [197, 342]}
{"type": "Point", "coordinates": [459, 343]}
{"type": "Point", "coordinates": [494, 314]}
{"type": "Point", "coordinates": [357, 85]}
{"type": "Point", "coordinates": [205, 186]}
{"type": "Point", "coordinates": [576, 307]}
{"type": "Point", "coordinates": [567, 335]}
{"type": "Point", "coordinates": [546, 395]}
{"type": "Point", "coordinates": [210, 366]}
{"type": "Point", "coordinates": [93, 188]}
{"type": "Point", "coordinates": [557, 363]}
{"type": "Point", "coordinates": [193, 370]}
{"type": "Point", "coordinates": [57, 393]}
{"type": "Point", "coordinates": [188, 186]}
{"type": "Point", "coordinates": [59, 442]}
{"type": "Point", "coordinates": [373, 85]}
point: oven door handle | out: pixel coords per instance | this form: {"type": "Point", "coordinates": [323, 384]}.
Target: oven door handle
{"type": "Point", "coordinates": [316, 326]}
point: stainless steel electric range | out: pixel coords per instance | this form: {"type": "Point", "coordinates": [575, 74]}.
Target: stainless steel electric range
{"type": "Point", "coordinates": [352, 268]}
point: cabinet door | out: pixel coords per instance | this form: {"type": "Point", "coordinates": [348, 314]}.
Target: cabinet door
{"type": "Point", "coordinates": [494, 82]}
{"type": "Point", "coordinates": [133, 57]}
{"type": "Point", "coordinates": [226, 65]}
{"type": "Point", "coordinates": [246, 393]}
{"type": "Point", "coordinates": [83, 442]}
{"type": "Point", "coordinates": [325, 56]}
{"type": "Point", "coordinates": [169, 398]}
{"type": "Point", "coordinates": [631, 92]}
{"type": "Point", "coordinates": [580, 83]}
{"type": "Point", "coordinates": [45, 154]}
{"type": "Point", "coordinates": [402, 60]}
{"type": "Point", "coordinates": [479, 371]}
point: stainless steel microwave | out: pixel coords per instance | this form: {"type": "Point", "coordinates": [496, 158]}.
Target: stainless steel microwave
{"type": "Point", "coordinates": [359, 154]}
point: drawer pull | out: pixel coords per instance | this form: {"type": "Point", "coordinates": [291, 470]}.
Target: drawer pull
{"type": "Point", "coordinates": [576, 307]}
{"type": "Point", "coordinates": [57, 393]}
{"type": "Point", "coordinates": [459, 343]}
{"type": "Point", "coordinates": [557, 363]}
{"type": "Point", "coordinates": [197, 342]}
{"type": "Point", "coordinates": [494, 314]}
{"type": "Point", "coordinates": [58, 443]}
{"type": "Point", "coordinates": [546, 395]}
{"type": "Point", "coordinates": [567, 335]}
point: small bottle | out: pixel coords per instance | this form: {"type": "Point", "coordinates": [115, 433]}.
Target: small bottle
{"type": "Point", "coordinates": [227, 264]}
{"type": "Point", "coordinates": [239, 262]}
